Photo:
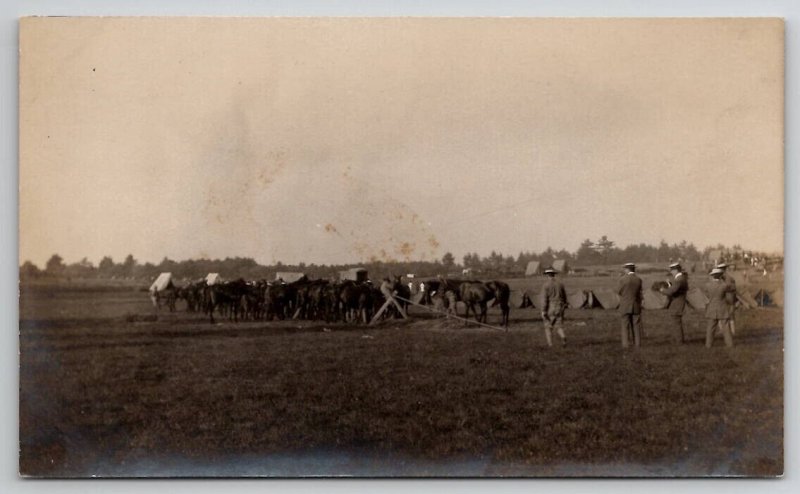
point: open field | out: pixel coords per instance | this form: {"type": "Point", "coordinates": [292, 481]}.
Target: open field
{"type": "Point", "coordinates": [107, 389]}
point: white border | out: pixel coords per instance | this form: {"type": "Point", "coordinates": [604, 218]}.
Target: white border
{"type": "Point", "coordinates": [11, 10]}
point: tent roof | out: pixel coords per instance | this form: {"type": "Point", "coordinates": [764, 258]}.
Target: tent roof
{"type": "Point", "coordinates": [163, 281]}
{"type": "Point", "coordinates": [213, 278]}
{"type": "Point", "coordinates": [577, 300]}
{"type": "Point", "coordinates": [289, 276]}
{"type": "Point", "coordinates": [696, 298]}
{"type": "Point", "coordinates": [607, 298]}
{"type": "Point", "coordinates": [560, 265]}
{"type": "Point", "coordinates": [654, 300]}
{"type": "Point", "coordinates": [532, 268]}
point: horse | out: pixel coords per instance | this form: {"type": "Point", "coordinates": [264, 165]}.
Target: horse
{"type": "Point", "coordinates": [167, 296]}
{"type": "Point", "coordinates": [477, 292]}
{"type": "Point", "coordinates": [502, 296]}
{"type": "Point", "coordinates": [225, 296]}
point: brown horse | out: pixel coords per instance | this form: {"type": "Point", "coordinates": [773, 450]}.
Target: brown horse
{"type": "Point", "coordinates": [502, 296]}
{"type": "Point", "coordinates": [477, 292]}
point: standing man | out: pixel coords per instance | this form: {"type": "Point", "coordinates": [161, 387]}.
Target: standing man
{"type": "Point", "coordinates": [677, 301]}
{"type": "Point", "coordinates": [730, 296]}
{"type": "Point", "coordinates": [629, 290]}
{"type": "Point", "coordinates": [555, 303]}
{"type": "Point", "coordinates": [717, 311]}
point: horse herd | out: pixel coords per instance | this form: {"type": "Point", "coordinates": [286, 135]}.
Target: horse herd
{"type": "Point", "coordinates": [342, 301]}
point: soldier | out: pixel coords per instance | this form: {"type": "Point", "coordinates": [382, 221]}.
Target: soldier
{"type": "Point", "coordinates": [629, 289]}
{"type": "Point", "coordinates": [555, 302]}
{"type": "Point", "coordinates": [717, 311]}
{"type": "Point", "coordinates": [676, 292]}
{"type": "Point", "coordinates": [730, 296]}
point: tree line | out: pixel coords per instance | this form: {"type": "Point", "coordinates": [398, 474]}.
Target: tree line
{"type": "Point", "coordinates": [600, 252]}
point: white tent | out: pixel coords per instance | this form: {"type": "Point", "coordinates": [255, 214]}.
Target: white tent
{"type": "Point", "coordinates": [163, 281]}
{"type": "Point", "coordinates": [289, 276]}
{"type": "Point", "coordinates": [533, 268]}
{"type": "Point", "coordinates": [561, 265]}
{"type": "Point", "coordinates": [213, 279]}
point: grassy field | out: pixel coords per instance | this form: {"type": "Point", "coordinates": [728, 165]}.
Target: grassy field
{"type": "Point", "coordinates": [107, 389]}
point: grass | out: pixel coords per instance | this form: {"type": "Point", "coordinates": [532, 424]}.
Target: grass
{"type": "Point", "coordinates": [105, 396]}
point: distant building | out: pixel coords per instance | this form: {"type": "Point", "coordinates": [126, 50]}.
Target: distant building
{"type": "Point", "coordinates": [354, 274]}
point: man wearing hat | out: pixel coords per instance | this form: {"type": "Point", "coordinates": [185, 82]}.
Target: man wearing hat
{"type": "Point", "coordinates": [629, 290]}
{"type": "Point", "coordinates": [555, 302]}
{"type": "Point", "coordinates": [717, 311]}
{"type": "Point", "coordinates": [730, 296]}
{"type": "Point", "coordinates": [677, 300]}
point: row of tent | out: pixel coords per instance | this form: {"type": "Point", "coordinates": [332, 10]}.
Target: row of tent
{"type": "Point", "coordinates": [607, 298]}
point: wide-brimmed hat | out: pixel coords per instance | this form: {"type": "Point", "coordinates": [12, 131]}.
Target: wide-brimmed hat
{"type": "Point", "coordinates": [549, 271]}
{"type": "Point", "coordinates": [629, 265]}
{"type": "Point", "coordinates": [721, 265]}
{"type": "Point", "coordinates": [715, 272]}
{"type": "Point", "coordinates": [675, 265]}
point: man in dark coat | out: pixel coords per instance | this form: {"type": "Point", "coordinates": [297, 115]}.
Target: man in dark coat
{"type": "Point", "coordinates": [717, 310]}
{"type": "Point", "coordinates": [629, 289]}
{"type": "Point", "coordinates": [676, 292]}
{"type": "Point", "coordinates": [555, 302]}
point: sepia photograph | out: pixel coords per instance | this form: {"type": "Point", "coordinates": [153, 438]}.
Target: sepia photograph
{"type": "Point", "coordinates": [401, 247]}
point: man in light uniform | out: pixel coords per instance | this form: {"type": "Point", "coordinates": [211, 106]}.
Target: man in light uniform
{"type": "Point", "coordinates": [717, 310]}
{"type": "Point", "coordinates": [555, 303]}
{"type": "Point", "coordinates": [730, 295]}
{"type": "Point", "coordinates": [676, 292]}
{"type": "Point", "coordinates": [629, 289]}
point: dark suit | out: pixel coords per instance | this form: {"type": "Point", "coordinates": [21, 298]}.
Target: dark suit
{"type": "Point", "coordinates": [718, 311]}
{"type": "Point", "coordinates": [629, 289]}
{"type": "Point", "coordinates": [677, 302]}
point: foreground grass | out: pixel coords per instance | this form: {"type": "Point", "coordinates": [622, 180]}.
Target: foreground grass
{"type": "Point", "coordinates": [107, 397]}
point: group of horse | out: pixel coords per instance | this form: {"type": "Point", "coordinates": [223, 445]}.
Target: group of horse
{"type": "Point", "coordinates": [343, 301]}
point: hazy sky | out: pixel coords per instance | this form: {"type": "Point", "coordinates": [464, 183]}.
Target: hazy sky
{"type": "Point", "coordinates": [335, 140]}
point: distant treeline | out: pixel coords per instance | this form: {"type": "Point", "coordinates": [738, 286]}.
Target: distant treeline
{"type": "Point", "coordinates": [601, 252]}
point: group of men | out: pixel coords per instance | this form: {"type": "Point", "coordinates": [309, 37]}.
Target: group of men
{"type": "Point", "coordinates": [719, 312]}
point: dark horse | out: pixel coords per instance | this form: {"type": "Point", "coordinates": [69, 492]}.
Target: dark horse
{"type": "Point", "coordinates": [225, 296]}
{"type": "Point", "coordinates": [477, 292]}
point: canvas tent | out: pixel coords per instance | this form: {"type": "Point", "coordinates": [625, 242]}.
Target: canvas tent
{"type": "Point", "coordinates": [767, 298]}
{"type": "Point", "coordinates": [577, 300]}
{"type": "Point", "coordinates": [213, 279]}
{"type": "Point", "coordinates": [745, 299]}
{"type": "Point", "coordinates": [605, 297]}
{"type": "Point", "coordinates": [560, 265]}
{"type": "Point", "coordinates": [534, 268]}
{"type": "Point", "coordinates": [289, 276]}
{"type": "Point", "coordinates": [522, 299]}
{"type": "Point", "coordinates": [696, 299]}
{"type": "Point", "coordinates": [163, 282]}
{"type": "Point", "coordinates": [654, 300]}
{"type": "Point", "coordinates": [354, 274]}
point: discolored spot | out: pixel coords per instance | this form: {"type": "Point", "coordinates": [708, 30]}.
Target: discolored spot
{"type": "Point", "coordinates": [406, 249]}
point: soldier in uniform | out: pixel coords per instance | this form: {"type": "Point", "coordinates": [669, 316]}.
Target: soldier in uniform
{"type": "Point", "coordinates": [730, 296]}
{"type": "Point", "coordinates": [555, 302]}
{"type": "Point", "coordinates": [676, 292]}
{"type": "Point", "coordinates": [717, 311]}
{"type": "Point", "coordinates": [629, 289]}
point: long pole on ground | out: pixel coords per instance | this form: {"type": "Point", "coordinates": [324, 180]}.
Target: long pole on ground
{"type": "Point", "coordinates": [451, 315]}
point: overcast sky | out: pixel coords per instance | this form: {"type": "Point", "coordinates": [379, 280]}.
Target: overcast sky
{"type": "Point", "coordinates": [339, 140]}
